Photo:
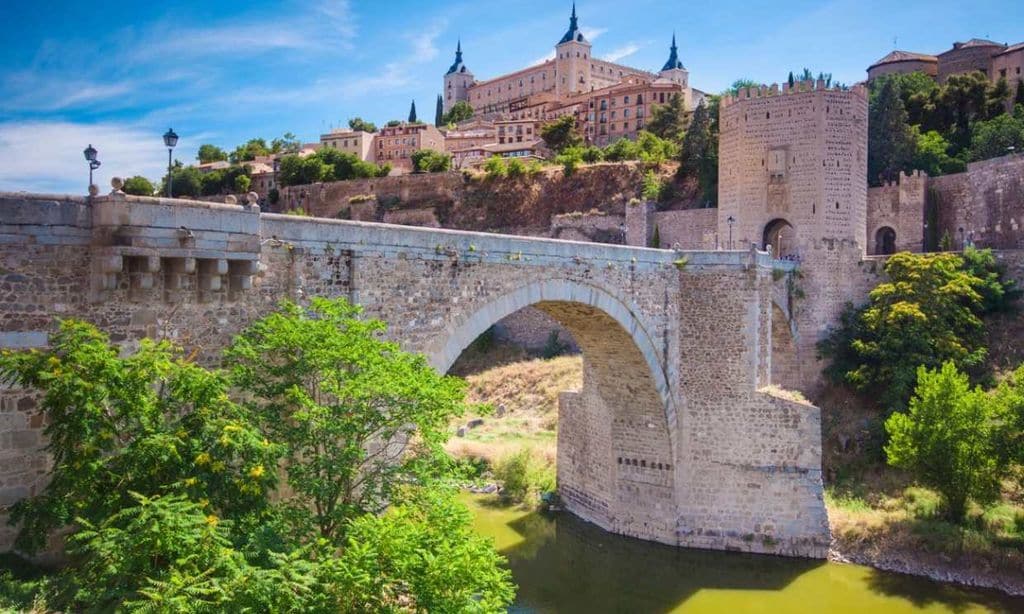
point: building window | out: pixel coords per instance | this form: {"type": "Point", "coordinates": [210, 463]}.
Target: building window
{"type": "Point", "coordinates": [625, 113]}
{"type": "Point", "coordinates": [625, 100]}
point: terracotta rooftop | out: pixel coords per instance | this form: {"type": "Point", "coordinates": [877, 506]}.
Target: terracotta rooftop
{"type": "Point", "coordinates": [904, 56]}
{"type": "Point", "coordinates": [1012, 49]}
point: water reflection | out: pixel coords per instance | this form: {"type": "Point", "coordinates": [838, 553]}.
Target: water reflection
{"type": "Point", "coordinates": [562, 564]}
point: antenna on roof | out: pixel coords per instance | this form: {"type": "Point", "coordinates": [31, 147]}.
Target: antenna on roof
{"type": "Point", "coordinates": [894, 39]}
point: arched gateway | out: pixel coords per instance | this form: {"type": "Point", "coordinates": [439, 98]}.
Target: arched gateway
{"type": "Point", "coordinates": [673, 436]}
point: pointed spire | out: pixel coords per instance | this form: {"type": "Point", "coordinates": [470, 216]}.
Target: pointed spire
{"type": "Point", "coordinates": [573, 34]}
{"type": "Point", "coordinates": [673, 56]}
{"type": "Point", "coordinates": [457, 65]}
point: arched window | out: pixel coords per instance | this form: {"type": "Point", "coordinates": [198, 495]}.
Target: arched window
{"type": "Point", "coordinates": [885, 241]}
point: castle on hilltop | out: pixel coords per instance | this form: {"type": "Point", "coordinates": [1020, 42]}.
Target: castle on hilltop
{"type": "Point", "coordinates": [573, 82]}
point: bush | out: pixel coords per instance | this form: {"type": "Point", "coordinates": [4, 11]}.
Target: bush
{"type": "Point", "coordinates": [553, 347]}
{"type": "Point", "coordinates": [430, 161]}
{"type": "Point", "coordinates": [949, 439]}
{"type": "Point", "coordinates": [495, 167]}
{"type": "Point", "coordinates": [515, 168]}
{"type": "Point", "coordinates": [570, 159]}
{"type": "Point", "coordinates": [139, 186]}
{"type": "Point", "coordinates": [523, 475]}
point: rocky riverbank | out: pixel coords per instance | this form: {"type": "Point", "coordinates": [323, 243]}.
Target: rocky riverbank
{"type": "Point", "coordinates": [932, 566]}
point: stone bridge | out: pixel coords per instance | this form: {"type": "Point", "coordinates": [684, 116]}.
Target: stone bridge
{"type": "Point", "coordinates": [674, 436]}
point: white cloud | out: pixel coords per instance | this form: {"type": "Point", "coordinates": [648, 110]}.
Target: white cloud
{"type": "Point", "coordinates": [591, 34]}
{"type": "Point", "coordinates": [621, 53]}
{"type": "Point", "coordinates": [46, 156]}
{"type": "Point", "coordinates": [424, 44]}
{"type": "Point", "coordinates": [549, 56]}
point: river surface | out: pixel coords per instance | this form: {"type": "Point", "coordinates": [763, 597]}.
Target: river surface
{"type": "Point", "coordinates": [563, 564]}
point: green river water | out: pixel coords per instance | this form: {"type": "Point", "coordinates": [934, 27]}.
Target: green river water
{"type": "Point", "coordinates": [563, 564]}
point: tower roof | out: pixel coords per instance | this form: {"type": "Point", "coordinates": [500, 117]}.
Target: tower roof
{"type": "Point", "coordinates": [673, 56]}
{"type": "Point", "coordinates": [573, 33]}
{"type": "Point", "coordinates": [457, 65]}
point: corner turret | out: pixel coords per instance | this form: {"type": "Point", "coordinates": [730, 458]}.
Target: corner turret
{"type": "Point", "coordinates": [673, 70]}
{"type": "Point", "coordinates": [572, 59]}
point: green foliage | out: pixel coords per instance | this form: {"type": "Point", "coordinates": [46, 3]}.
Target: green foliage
{"type": "Point", "coordinates": [360, 125]}
{"type": "Point", "coordinates": [740, 84]}
{"type": "Point", "coordinates": [327, 164]}
{"type": "Point", "coordinates": [561, 134]}
{"type": "Point", "coordinates": [150, 423]}
{"type": "Point", "coordinates": [698, 156]}
{"type": "Point", "coordinates": [592, 154]}
{"type": "Point", "coordinates": [668, 121]}
{"type": "Point", "coordinates": [553, 346]}
{"type": "Point", "coordinates": [460, 112]}
{"type": "Point", "coordinates": [242, 183]}
{"type": "Point", "coordinates": [932, 154]}
{"type": "Point", "coordinates": [622, 149]}
{"type": "Point", "coordinates": [430, 161]}
{"type": "Point", "coordinates": [927, 313]}
{"type": "Point", "coordinates": [655, 188]}
{"type": "Point", "coordinates": [394, 122]}
{"type": "Point", "coordinates": [296, 170]}
{"type": "Point", "coordinates": [948, 439]}
{"type": "Point", "coordinates": [164, 480]}
{"type": "Point", "coordinates": [570, 159]}
{"type": "Point", "coordinates": [249, 151]}
{"type": "Point", "coordinates": [139, 186]}
{"type": "Point", "coordinates": [891, 144]}
{"type": "Point", "coordinates": [523, 475]}
{"type": "Point", "coordinates": [210, 153]}
{"type": "Point", "coordinates": [329, 388]}
{"type": "Point", "coordinates": [439, 112]}
{"type": "Point", "coordinates": [187, 181]}
{"type": "Point", "coordinates": [495, 167]}
{"type": "Point", "coordinates": [273, 196]}
{"type": "Point", "coordinates": [287, 143]}
{"type": "Point", "coordinates": [996, 137]}
{"type": "Point", "coordinates": [516, 168]}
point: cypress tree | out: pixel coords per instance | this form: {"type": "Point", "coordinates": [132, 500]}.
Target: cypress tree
{"type": "Point", "coordinates": [891, 144]}
{"type": "Point", "coordinates": [439, 112]}
{"type": "Point", "coordinates": [791, 79]}
{"type": "Point", "coordinates": [412, 113]}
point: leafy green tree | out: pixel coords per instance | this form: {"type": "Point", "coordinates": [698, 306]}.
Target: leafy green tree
{"type": "Point", "coordinates": [592, 154]}
{"type": "Point", "coordinates": [249, 151]}
{"type": "Point", "coordinates": [698, 155]}
{"type": "Point", "coordinates": [739, 84]}
{"type": "Point", "coordinates": [948, 439]}
{"type": "Point", "coordinates": [359, 125]}
{"type": "Point", "coordinates": [346, 404]}
{"type": "Point", "coordinates": [296, 170]}
{"type": "Point", "coordinates": [187, 181]}
{"type": "Point", "coordinates": [995, 137]}
{"type": "Point", "coordinates": [928, 312]}
{"type": "Point", "coordinates": [211, 153]}
{"type": "Point", "coordinates": [495, 167]}
{"type": "Point", "coordinates": [288, 143]}
{"type": "Point", "coordinates": [668, 121]}
{"type": "Point", "coordinates": [891, 144]}
{"type": "Point", "coordinates": [344, 165]}
{"type": "Point", "coordinates": [430, 161]}
{"type": "Point", "coordinates": [622, 149]}
{"type": "Point", "coordinates": [139, 186]}
{"type": "Point", "coordinates": [654, 149]}
{"type": "Point", "coordinates": [211, 183]}
{"type": "Point", "coordinates": [242, 183]}
{"type": "Point", "coordinates": [561, 134]}
{"type": "Point", "coordinates": [460, 112]}
{"type": "Point", "coordinates": [932, 154]}
{"type": "Point", "coordinates": [570, 159]}
{"type": "Point", "coordinates": [150, 423]}
{"type": "Point", "coordinates": [394, 122]}
{"type": "Point", "coordinates": [1018, 98]}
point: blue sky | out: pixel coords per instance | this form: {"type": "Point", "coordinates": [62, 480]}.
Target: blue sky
{"type": "Point", "coordinates": [117, 74]}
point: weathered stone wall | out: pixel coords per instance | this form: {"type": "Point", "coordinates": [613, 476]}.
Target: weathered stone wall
{"type": "Point", "coordinates": [673, 358]}
{"type": "Point", "coordinates": [986, 202]}
{"type": "Point", "coordinates": [472, 201]}
{"type": "Point", "coordinates": [592, 226]}
{"type": "Point", "coordinates": [900, 206]}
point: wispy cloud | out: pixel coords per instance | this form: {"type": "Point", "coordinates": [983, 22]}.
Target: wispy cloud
{"type": "Point", "coordinates": [46, 156]}
{"type": "Point", "coordinates": [592, 34]}
{"type": "Point", "coordinates": [622, 52]}
{"type": "Point", "coordinates": [544, 58]}
{"type": "Point", "coordinates": [424, 44]}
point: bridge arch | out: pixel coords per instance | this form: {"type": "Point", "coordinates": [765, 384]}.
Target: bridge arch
{"type": "Point", "coordinates": [616, 436]}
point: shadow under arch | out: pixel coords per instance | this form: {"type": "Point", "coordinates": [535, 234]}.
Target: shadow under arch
{"type": "Point", "coordinates": [616, 435]}
{"type": "Point", "coordinates": [556, 298]}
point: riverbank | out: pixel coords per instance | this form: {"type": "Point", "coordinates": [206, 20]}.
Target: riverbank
{"type": "Point", "coordinates": [876, 517]}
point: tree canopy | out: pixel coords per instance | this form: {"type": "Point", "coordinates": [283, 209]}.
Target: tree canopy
{"type": "Point", "coordinates": [430, 161]}
{"type": "Point", "coordinates": [561, 134]}
{"type": "Point", "coordinates": [211, 153]}
{"type": "Point", "coordinates": [360, 125]}
{"type": "Point", "coordinates": [139, 186]}
{"type": "Point", "coordinates": [460, 112]}
{"type": "Point", "coordinates": [668, 121]}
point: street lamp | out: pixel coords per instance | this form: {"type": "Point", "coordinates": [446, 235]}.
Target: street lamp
{"type": "Point", "coordinates": [730, 220]}
{"type": "Point", "coordinates": [90, 157]}
{"type": "Point", "coordinates": [170, 140]}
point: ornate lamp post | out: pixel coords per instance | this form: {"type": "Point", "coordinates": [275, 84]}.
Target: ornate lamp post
{"type": "Point", "coordinates": [90, 157]}
{"type": "Point", "coordinates": [730, 220]}
{"type": "Point", "coordinates": [170, 140]}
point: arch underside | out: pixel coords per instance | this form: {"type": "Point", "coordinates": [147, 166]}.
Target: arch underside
{"type": "Point", "coordinates": [615, 443]}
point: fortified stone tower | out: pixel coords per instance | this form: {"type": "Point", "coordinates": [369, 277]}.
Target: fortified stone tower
{"type": "Point", "coordinates": [673, 70]}
{"type": "Point", "coordinates": [456, 81]}
{"type": "Point", "coordinates": [792, 175]}
{"type": "Point", "coordinates": [572, 60]}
